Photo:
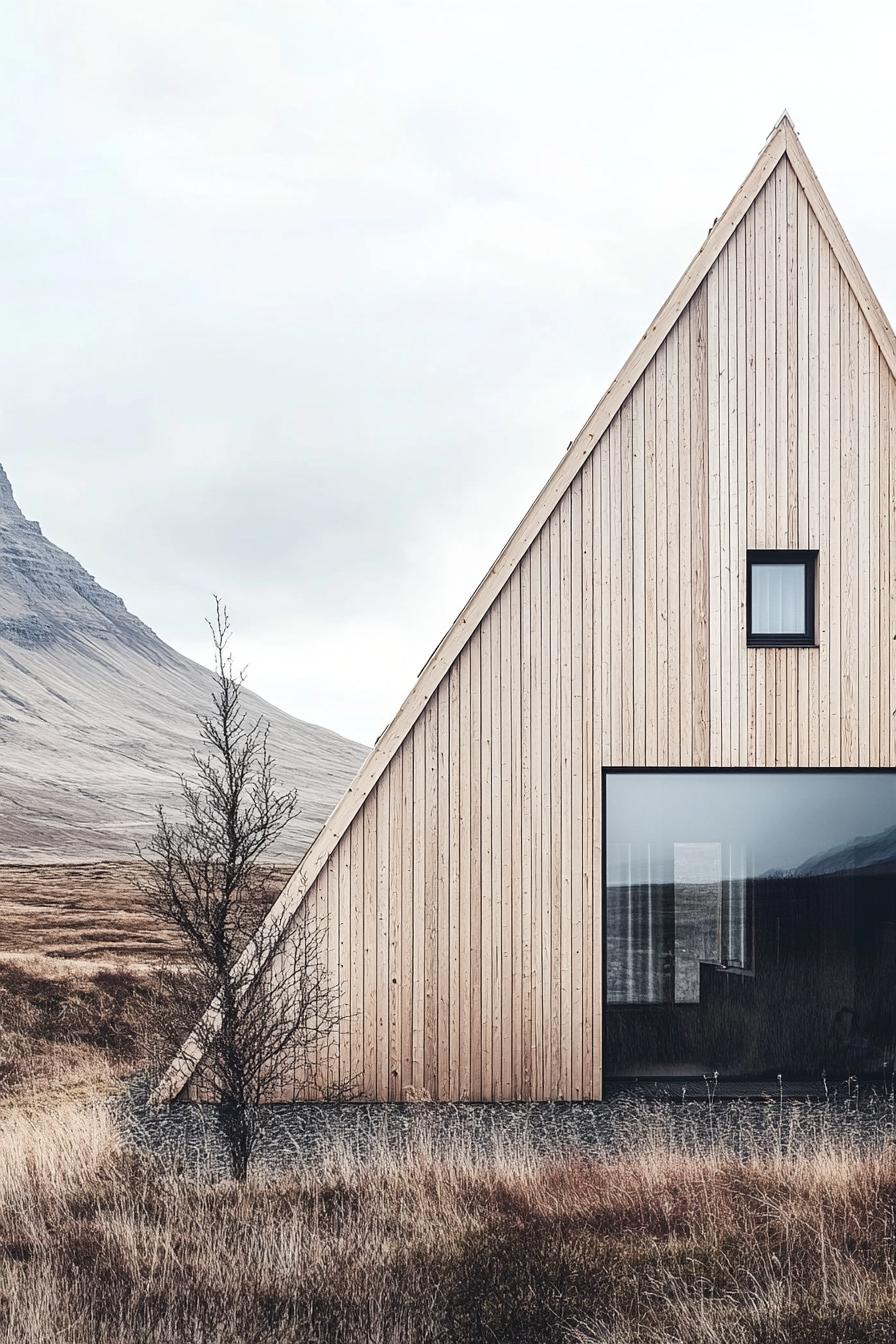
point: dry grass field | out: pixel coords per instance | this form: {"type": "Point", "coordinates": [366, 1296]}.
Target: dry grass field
{"type": "Point", "coordinates": [704, 1239]}
{"type": "Point", "coordinates": [76, 910]}
{"type": "Point", "coordinates": [79, 910]}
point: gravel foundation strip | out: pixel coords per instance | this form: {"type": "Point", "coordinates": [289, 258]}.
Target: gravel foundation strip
{"type": "Point", "coordinates": [187, 1136]}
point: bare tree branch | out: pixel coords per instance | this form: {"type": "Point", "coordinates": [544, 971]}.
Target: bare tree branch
{"type": "Point", "coordinates": [207, 876]}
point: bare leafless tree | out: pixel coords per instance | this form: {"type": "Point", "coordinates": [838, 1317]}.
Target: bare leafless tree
{"type": "Point", "coordinates": [208, 876]}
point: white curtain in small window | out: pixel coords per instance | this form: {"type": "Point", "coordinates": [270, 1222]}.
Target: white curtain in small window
{"type": "Point", "coordinates": [779, 599]}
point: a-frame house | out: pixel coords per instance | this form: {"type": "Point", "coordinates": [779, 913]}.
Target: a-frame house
{"type": "Point", "coordinates": [634, 818]}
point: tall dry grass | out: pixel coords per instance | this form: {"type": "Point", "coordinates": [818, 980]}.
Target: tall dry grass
{"type": "Point", "coordinates": [422, 1242]}
{"type": "Point", "coordinates": [71, 1027]}
{"type": "Point", "coordinates": [701, 1233]}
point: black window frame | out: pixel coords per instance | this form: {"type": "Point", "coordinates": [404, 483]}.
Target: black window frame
{"type": "Point", "coordinates": [809, 561]}
{"type": "Point", "coordinates": [606, 771]}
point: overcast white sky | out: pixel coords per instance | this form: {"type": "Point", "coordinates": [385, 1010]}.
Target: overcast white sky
{"type": "Point", "coordinates": [303, 301]}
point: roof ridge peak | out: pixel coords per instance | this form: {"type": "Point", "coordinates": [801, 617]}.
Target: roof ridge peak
{"type": "Point", "coordinates": [785, 120]}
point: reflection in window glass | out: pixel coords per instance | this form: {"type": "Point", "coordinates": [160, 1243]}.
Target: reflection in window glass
{"type": "Point", "coordinates": [750, 923]}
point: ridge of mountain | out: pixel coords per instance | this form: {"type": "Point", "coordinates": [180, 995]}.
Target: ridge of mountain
{"type": "Point", "coordinates": [98, 715]}
{"type": "Point", "coordinates": [866, 853]}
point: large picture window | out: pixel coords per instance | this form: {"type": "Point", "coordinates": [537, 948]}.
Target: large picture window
{"type": "Point", "coordinates": [750, 923]}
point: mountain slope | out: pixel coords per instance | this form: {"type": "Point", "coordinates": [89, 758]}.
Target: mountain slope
{"type": "Point", "coordinates": [867, 853]}
{"type": "Point", "coordinates": [97, 715]}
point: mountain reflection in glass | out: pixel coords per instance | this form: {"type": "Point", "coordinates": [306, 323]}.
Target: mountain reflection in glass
{"type": "Point", "coordinates": [750, 923]}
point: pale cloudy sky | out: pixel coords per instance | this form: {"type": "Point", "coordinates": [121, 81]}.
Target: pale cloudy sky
{"type": "Point", "coordinates": [303, 301]}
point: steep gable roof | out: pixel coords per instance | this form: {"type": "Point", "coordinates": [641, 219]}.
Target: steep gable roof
{"type": "Point", "coordinates": [782, 141]}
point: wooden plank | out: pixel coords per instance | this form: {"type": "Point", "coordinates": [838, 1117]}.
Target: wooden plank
{"type": "Point", "coordinates": [452, 966]}
{"type": "Point", "coordinates": [886, 582]}
{"type": "Point", "coordinates": [344, 1075]}
{"type": "Point", "coordinates": [513, 838]}
{"type": "Point", "coordinates": [738, 412]}
{"type": "Point", "coordinates": [891, 585]}
{"type": "Point", "coordinates": [810, 496]}
{"type": "Point", "coordinates": [556, 843]}
{"type": "Point", "coordinates": [863, 500]}
{"type": "Point", "coordinates": [418, 1082]}
{"type": "Point", "coordinates": [589, 931]}
{"type": "Point", "coordinates": [824, 498]}
{"type": "Point", "coordinates": [334, 958]}
{"type": "Point", "coordinates": [537, 810]}
{"type": "Point", "coordinates": [576, 866]}
{"type": "Point", "coordinates": [649, 571]}
{"type": "Point", "coordinates": [566, 804]}
{"type": "Point", "coordinates": [356, 953]}
{"type": "Point", "coordinates": [699, 531]}
{"type": "Point", "coordinates": [686, 578]}
{"type": "Point", "coordinates": [793, 313]}
{"type": "Point", "coordinates": [525, 808]}
{"type": "Point", "coordinates": [673, 565]}
{"type": "Point", "coordinates": [837, 360]}
{"type": "Point", "coordinates": [488, 897]}
{"type": "Point", "coordinates": [662, 567]}
{"type": "Point", "coordinates": [754, 295]}
{"type": "Point", "coordinates": [746, 468]}
{"type": "Point", "coordinates": [725, 735]}
{"type": "Point", "coordinates": [461, 1012]}
{"type": "Point", "coordinates": [499, 783]}
{"type": "Point", "coordinates": [639, 671]}
{"type": "Point", "coordinates": [626, 688]}
{"type": "Point", "coordinates": [392, 894]}
{"type": "Point", "coordinates": [861, 537]}
{"type": "Point", "coordinates": [431, 908]}
{"type": "Point", "coordinates": [598, 678]}
{"type": "Point", "coordinates": [872, 552]}
{"type": "Point", "coordinates": [406, 972]}
{"type": "Point", "coordinates": [548, 664]}
{"type": "Point", "coordinates": [382, 904]}
{"type": "Point", "coordinates": [849, 467]}
{"type": "Point", "coordinates": [714, 281]}
{"type": "Point", "coordinates": [617, 670]}
{"type": "Point", "coordinates": [370, 1077]}
{"type": "Point", "coordinates": [443, 894]}
{"type": "Point", "coordinates": [316, 918]}
{"type": "Point", "coordinates": [476, 906]}
{"type": "Point", "coordinates": [507, 891]}
{"type": "Point", "coordinates": [783, 308]}
{"type": "Point", "coordinates": [727, 497]}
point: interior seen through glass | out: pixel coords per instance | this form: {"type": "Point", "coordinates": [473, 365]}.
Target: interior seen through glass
{"type": "Point", "coordinates": [750, 924]}
{"type": "Point", "coordinates": [778, 594]}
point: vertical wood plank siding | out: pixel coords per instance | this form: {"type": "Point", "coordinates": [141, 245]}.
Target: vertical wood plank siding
{"type": "Point", "coordinates": [464, 901]}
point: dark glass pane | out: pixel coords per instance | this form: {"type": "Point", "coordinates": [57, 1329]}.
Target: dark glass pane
{"type": "Point", "coordinates": [750, 923]}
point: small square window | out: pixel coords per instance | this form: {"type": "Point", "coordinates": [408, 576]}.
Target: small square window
{"type": "Point", "coordinates": [781, 598]}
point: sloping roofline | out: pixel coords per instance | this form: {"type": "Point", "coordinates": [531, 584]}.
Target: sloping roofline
{"type": "Point", "coordinates": [782, 140]}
